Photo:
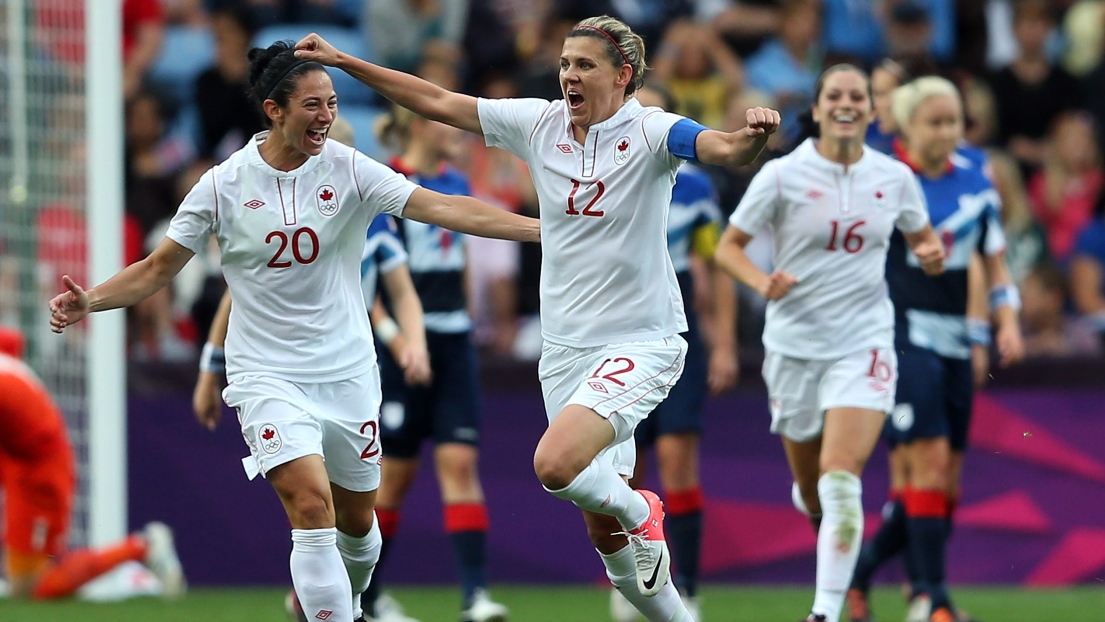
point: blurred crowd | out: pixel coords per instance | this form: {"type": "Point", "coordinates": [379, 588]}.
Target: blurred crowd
{"type": "Point", "coordinates": [1031, 73]}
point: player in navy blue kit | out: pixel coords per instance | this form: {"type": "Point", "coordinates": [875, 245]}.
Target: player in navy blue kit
{"type": "Point", "coordinates": [675, 426]}
{"type": "Point", "coordinates": [932, 334]}
{"type": "Point", "coordinates": [447, 410]}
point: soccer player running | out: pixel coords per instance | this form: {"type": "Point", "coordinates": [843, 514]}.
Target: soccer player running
{"type": "Point", "coordinates": [447, 410]}
{"type": "Point", "coordinates": [290, 211]}
{"type": "Point", "coordinates": [611, 312]}
{"type": "Point", "coordinates": [675, 426]}
{"type": "Point", "coordinates": [39, 481]}
{"type": "Point", "coordinates": [830, 365]}
{"type": "Point", "coordinates": [933, 335]}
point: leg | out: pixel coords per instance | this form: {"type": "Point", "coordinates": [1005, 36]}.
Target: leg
{"type": "Point", "coordinates": [466, 519]}
{"type": "Point", "coordinates": [318, 572]}
{"type": "Point", "coordinates": [358, 538]}
{"type": "Point", "coordinates": [677, 457]}
{"type": "Point", "coordinates": [804, 458]}
{"type": "Point", "coordinates": [926, 505]}
{"type": "Point", "coordinates": [396, 477]}
{"type": "Point", "coordinates": [849, 437]}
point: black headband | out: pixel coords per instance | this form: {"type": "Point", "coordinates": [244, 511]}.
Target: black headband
{"type": "Point", "coordinates": [283, 74]}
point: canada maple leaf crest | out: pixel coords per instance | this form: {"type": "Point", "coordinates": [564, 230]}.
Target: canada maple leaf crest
{"type": "Point", "coordinates": [878, 194]}
{"type": "Point", "coordinates": [622, 146]}
{"type": "Point", "coordinates": [326, 195]}
{"type": "Point", "coordinates": [268, 433]}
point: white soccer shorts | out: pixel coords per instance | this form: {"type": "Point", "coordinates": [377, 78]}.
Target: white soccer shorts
{"type": "Point", "coordinates": [622, 382]}
{"type": "Point", "coordinates": [801, 390]}
{"type": "Point", "coordinates": [283, 420]}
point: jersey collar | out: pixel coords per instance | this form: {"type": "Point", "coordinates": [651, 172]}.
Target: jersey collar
{"type": "Point", "coordinates": [627, 112]}
{"type": "Point", "coordinates": [253, 150]}
{"type": "Point", "coordinates": [901, 153]}
{"type": "Point", "coordinates": [812, 155]}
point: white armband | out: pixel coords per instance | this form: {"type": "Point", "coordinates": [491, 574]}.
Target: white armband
{"type": "Point", "coordinates": [1005, 296]}
{"type": "Point", "coordinates": [978, 332]}
{"type": "Point", "coordinates": [386, 330]}
{"type": "Point", "coordinates": [212, 359]}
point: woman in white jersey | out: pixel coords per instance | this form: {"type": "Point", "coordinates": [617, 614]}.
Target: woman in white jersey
{"type": "Point", "coordinates": [611, 311]}
{"type": "Point", "coordinates": [290, 211]}
{"type": "Point", "coordinates": [830, 366]}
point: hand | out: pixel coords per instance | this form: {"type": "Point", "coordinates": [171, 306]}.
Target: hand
{"type": "Point", "coordinates": [207, 400]}
{"type": "Point", "coordinates": [414, 361]}
{"type": "Point", "coordinates": [314, 47]}
{"type": "Point", "coordinates": [761, 121]}
{"type": "Point", "coordinates": [931, 255]}
{"type": "Point", "coordinates": [777, 286]}
{"type": "Point", "coordinates": [1010, 344]}
{"type": "Point", "coordinates": [68, 307]}
{"type": "Point", "coordinates": [980, 365]}
{"type": "Point", "coordinates": [723, 370]}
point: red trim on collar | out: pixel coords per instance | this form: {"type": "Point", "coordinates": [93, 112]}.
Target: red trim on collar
{"type": "Point", "coordinates": [900, 152]}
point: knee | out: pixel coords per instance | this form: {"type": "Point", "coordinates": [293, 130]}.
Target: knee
{"type": "Point", "coordinates": [553, 469]}
{"type": "Point", "coordinates": [842, 462]}
{"type": "Point", "coordinates": [356, 523]}
{"type": "Point", "coordinates": [311, 510]}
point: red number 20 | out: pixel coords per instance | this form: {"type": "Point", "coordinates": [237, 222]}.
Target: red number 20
{"type": "Point", "coordinates": [587, 211]}
{"type": "Point", "coordinates": [372, 448]}
{"type": "Point", "coordinates": [283, 239]}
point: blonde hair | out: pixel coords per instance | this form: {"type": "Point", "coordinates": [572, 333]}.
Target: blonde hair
{"type": "Point", "coordinates": [341, 130]}
{"type": "Point", "coordinates": [906, 98]}
{"type": "Point", "coordinates": [393, 129]}
{"type": "Point", "coordinates": [623, 46]}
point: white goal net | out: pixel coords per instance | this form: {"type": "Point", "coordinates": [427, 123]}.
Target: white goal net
{"type": "Point", "coordinates": [49, 227]}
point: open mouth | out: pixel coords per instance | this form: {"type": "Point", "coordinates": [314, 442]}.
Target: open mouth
{"type": "Point", "coordinates": [318, 137]}
{"type": "Point", "coordinates": [575, 99]}
{"type": "Point", "coordinates": [845, 119]}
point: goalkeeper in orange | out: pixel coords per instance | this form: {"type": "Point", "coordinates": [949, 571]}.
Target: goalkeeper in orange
{"type": "Point", "coordinates": [38, 479]}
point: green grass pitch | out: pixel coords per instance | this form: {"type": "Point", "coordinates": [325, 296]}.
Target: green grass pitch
{"type": "Point", "coordinates": [570, 604]}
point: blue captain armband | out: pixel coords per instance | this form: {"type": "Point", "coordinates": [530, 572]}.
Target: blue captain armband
{"type": "Point", "coordinates": [681, 138]}
{"type": "Point", "coordinates": [978, 332]}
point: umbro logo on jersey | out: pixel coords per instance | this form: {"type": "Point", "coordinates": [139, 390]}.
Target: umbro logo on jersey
{"type": "Point", "coordinates": [254, 204]}
{"type": "Point", "coordinates": [621, 150]}
{"type": "Point", "coordinates": [327, 198]}
{"type": "Point", "coordinates": [813, 194]}
{"type": "Point", "coordinates": [564, 148]}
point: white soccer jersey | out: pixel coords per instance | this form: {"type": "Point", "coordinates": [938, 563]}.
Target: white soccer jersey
{"type": "Point", "coordinates": [606, 276]}
{"type": "Point", "coordinates": [291, 252]}
{"type": "Point", "coordinates": [831, 226]}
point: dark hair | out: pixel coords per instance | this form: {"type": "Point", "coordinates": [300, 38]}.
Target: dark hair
{"type": "Point", "coordinates": [241, 15]}
{"type": "Point", "coordinates": [622, 45]}
{"type": "Point", "coordinates": [670, 103]}
{"type": "Point", "coordinates": [273, 73]}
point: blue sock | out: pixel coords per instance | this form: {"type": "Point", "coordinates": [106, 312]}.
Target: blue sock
{"type": "Point", "coordinates": [684, 534]}
{"type": "Point", "coordinates": [889, 540]}
{"type": "Point", "coordinates": [927, 523]}
{"type": "Point", "coordinates": [466, 524]}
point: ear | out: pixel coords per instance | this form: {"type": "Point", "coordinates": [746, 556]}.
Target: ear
{"type": "Point", "coordinates": [625, 75]}
{"type": "Point", "coordinates": [272, 110]}
{"type": "Point", "coordinates": [816, 114]}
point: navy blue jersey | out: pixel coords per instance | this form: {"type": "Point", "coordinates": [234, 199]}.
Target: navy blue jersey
{"type": "Point", "coordinates": [930, 312]}
{"type": "Point", "coordinates": [383, 252]}
{"type": "Point", "coordinates": [438, 256]}
{"type": "Point", "coordinates": [694, 225]}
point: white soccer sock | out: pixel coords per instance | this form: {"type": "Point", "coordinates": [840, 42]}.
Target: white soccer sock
{"type": "Point", "coordinates": [666, 606]}
{"type": "Point", "coordinates": [838, 541]}
{"type": "Point", "coordinates": [360, 556]}
{"type": "Point", "coordinates": [599, 488]}
{"type": "Point", "coordinates": [320, 581]}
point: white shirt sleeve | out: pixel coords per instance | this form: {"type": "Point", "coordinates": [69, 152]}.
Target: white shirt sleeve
{"type": "Point", "coordinates": [509, 123]}
{"type": "Point", "coordinates": [193, 223]}
{"type": "Point", "coordinates": [759, 202]}
{"type": "Point", "coordinates": [378, 184]}
{"type": "Point", "coordinates": [656, 127]}
{"type": "Point", "coordinates": [914, 214]}
{"type": "Point", "coordinates": [994, 242]}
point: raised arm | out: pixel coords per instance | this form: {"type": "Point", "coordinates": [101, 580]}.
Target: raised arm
{"type": "Point", "coordinates": [131, 285]}
{"type": "Point", "coordinates": [425, 98]}
{"type": "Point", "coordinates": [471, 216]}
{"type": "Point", "coordinates": [742, 146]}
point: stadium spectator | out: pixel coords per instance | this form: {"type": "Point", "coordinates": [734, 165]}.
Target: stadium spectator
{"type": "Point", "coordinates": [1087, 272]}
{"type": "Point", "coordinates": [1048, 329]}
{"type": "Point", "coordinates": [227, 119]}
{"type": "Point", "coordinates": [1031, 91]}
{"type": "Point", "coordinates": [403, 32]}
{"type": "Point", "coordinates": [447, 409]}
{"type": "Point", "coordinates": [786, 66]}
{"type": "Point", "coordinates": [299, 347]}
{"type": "Point", "coordinates": [701, 71]}
{"type": "Point", "coordinates": [38, 475]}
{"type": "Point", "coordinates": [602, 370]}
{"type": "Point", "coordinates": [675, 426]}
{"type": "Point", "coordinates": [830, 374]}
{"type": "Point", "coordinates": [1068, 184]}
{"type": "Point", "coordinates": [270, 12]}
{"type": "Point", "coordinates": [936, 342]}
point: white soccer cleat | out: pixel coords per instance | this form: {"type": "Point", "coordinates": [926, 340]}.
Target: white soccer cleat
{"type": "Point", "coordinates": [483, 609]}
{"type": "Point", "coordinates": [621, 610]}
{"type": "Point", "coordinates": [650, 550]}
{"type": "Point", "coordinates": [388, 609]}
{"type": "Point", "coordinates": [162, 559]}
{"type": "Point", "coordinates": [920, 608]}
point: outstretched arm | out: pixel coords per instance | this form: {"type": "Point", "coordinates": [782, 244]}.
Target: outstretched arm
{"type": "Point", "coordinates": [423, 97]}
{"type": "Point", "coordinates": [131, 285]}
{"type": "Point", "coordinates": [742, 146]}
{"type": "Point", "coordinates": [471, 216]}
